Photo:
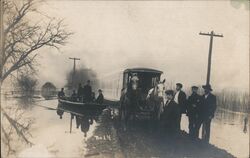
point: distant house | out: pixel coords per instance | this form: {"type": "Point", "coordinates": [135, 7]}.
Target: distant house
{"type": "Point", "coordinates": [48, 90]}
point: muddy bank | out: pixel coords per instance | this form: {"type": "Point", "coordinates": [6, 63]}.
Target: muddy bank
{"type": "Point", "coordinates": [109, 140]}
{"type": "Point", "coordinates": [104, 142]}
{"type": "Point", "coordinates": [140, 143]}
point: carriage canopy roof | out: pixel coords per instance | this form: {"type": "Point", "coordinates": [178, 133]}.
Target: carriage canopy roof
{"type": "Point", "coordinates": [147, 70]}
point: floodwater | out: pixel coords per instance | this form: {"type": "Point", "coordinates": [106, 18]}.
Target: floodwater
{"type": "Point", "coordinates": [52, 137]}
{"type": "Point", "coordinates": [227, 132]}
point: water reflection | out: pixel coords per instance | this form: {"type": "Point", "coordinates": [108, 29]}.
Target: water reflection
{"type": "Point", "coordinates": [83, 118]}
{"type": "Point", "coordinates": [15, 126]}
{"type": "Point", "coordinates": [227, 128]}
{"type": "Point", "coordinates": [84, 122]}
{"type": "Point", "coordinates": [238, 119]}
{"type": "Point", "coordinates": [59, 112]}
{"type": "Point", "coordinates": [245, 125]}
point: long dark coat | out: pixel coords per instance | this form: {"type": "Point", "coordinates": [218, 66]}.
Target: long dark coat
{"type": "Point", "coordinates": [80, 92]}
{"type": "Point", "coordinates": [170, 117]}
{"type": "Point", "coordinates": [208, 106]}
{"type": "Point", "coordinates": [182, 101]}
{"type": "Point", "coordinates": [194, 105]}
{"type": "Point", "coordinates": [87, 92]}
{"type": "Point", "coordinates": [100, 99]}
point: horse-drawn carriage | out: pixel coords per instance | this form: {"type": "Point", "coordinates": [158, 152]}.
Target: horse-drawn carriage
{"type": "Point", "coordinates": [142, 94]}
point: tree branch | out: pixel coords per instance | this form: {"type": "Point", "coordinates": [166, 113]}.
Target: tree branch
{"type": "Point", "coordinates": [16, 126]}
{"type": "Point", "coordinates": [20, 14]}
{"type": "Point", "coordinates": [24, 39]}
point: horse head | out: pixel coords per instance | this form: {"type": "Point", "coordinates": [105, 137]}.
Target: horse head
{"type": "Point", "coordinates": [134, 81]}
{"type": "Point", "coordinates": [160, 89]}
{"type": "Point", "coordinates": [156, 95]}
{"type": "Point", "coordinates": [157, 91]}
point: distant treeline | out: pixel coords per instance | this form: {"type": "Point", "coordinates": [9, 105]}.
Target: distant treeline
{"type": "Point", "coordinates": [233, 100]}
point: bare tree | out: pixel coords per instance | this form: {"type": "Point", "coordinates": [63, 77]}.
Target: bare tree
{"type": "Point", "coordinates": [26, 85]}
{"type": "Point", "coordinates": [22, 37]}
{"type": "Point", "coordinates": [15, 127]}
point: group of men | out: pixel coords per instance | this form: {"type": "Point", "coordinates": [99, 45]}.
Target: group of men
{"type": "Point", "coordinates": [83, 94]}
{"type": "Point", "coordinates": [200, 110]}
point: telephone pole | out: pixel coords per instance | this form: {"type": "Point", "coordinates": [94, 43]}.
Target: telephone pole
{"type": "Point", "coordinates": [212, 34]}
{"type": "Point", "coordinates": [74, 69]}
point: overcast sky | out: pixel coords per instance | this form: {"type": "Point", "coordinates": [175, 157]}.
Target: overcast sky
{"type": "Point", "coordinates": [114, 35]}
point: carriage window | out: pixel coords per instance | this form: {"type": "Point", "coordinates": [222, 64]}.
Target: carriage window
{"type": "Point", "coordinates": [155, 80]}
{"type": "Point", "coordinates": [125, 80]}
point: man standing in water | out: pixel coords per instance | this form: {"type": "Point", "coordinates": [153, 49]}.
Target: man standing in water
{"type": "Point", "coordinates": [208, 110]}
{"type": "Point", "coordinates": [180, 99]}
{"type": "Point", "coordinates": [193, 108]}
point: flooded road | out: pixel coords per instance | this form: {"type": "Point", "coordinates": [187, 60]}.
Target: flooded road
{"type": "Point", "coordinates": [51, 136]}
{"type": "Point", "coordinates": [227, 132]}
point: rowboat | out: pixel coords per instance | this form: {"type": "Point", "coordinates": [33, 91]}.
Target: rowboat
{"type": "Point", "coordinates": [86, 106]}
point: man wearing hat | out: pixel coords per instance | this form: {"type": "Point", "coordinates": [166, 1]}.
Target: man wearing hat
{"type": "Point", "coordinates": [180, 98]}
{"type": "Point", "coordinates": [100, 97]}
{"type": "Point", "coordinates": [80, 92]}
{"type": "Point", "coordinates": [87, 89]}
{"type": "Point", "coordinates": [193, 112]}
{"type": "Point", "coordinates": [207, 112]}
{"type": "Point", "coordinates": [170, 115]}
{"type": "Point", "coordinates": [61, 94]}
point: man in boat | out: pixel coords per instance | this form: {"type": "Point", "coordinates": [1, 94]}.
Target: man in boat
{"type": "Point", "coordinates": [74, 96]}
{"type": "Point", "coordinates": [193, 108]}
{"type": "Point", "coordinates": [100, 97]}
{"type": "Point", "coordinates": [208, 108]}
{"type": "Point", "coordinates": [61, 94]}
{"type": "Point", "coordinates": [180, 99]}
{"type": "Point", "coordinates": [92, 96]}
{"type": "Point", "coordinates": [80, 92]}
{"type": "Point", "coordinates": [170, 115]}
{"type": "Point", "coordinates": [87, 91]}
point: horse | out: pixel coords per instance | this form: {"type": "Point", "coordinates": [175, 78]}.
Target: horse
{"type": "Point", "coordinates": [129, 100]}
{"type": "Point", "coordinates": [156, 98]}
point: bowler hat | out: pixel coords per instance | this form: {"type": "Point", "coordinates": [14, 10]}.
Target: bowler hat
{"type": "Point", "coordinates": [169, 92]}
{"type": "Point", "coordinates": [195, 87]}
{"type": "Point", "coordinates": [207, 87]}
{"type": "Point", "coordinates": [179, 84]}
